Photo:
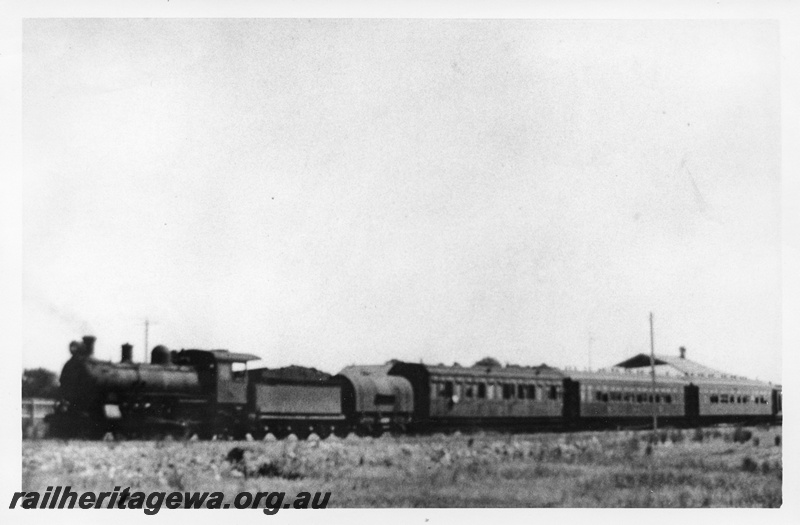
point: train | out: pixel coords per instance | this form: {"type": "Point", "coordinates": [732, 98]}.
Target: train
{"type": "Point", "coordinates": [212, 394]}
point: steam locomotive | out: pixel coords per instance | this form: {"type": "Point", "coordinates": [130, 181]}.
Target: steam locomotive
{"type": "Point", "coordinates": [211, 393]}
{"type": "Point", "coordinates": [188, 392]}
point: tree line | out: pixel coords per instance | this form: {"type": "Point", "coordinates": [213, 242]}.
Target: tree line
{"type": "Point", "coordinates": [39, 382]}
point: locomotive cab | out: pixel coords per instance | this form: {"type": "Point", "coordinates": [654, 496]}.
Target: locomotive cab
{"type": "Point", "coordinates": [215, 371]}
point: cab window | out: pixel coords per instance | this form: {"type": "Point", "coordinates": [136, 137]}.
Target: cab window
{"type": "Point", "coordinates": [224, 371]}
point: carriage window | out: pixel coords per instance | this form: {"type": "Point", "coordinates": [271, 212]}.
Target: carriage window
{"type": "Point", "coordinates": [598, 396]}
{"type": "Point", "coordinates": [668, 399]}
{"type": "Point", "coordinates": [714, 398]}
{"type": "Point", "coordinates": [508, 391]}
{"type": "Point", "coordinates": [239, 372]}
{"type": "Point", "coordinates": [616, 396]}
{"type": "Point", "coordinates": [553, 392]}
{"type": "Point", "coordinates": [531, 392]}
{"type": "Point", "coordinates": [447, 389]}
{"type": "Point", "coordinates": [723, 398]}
{"type": "Point", "coordinates": [521, 391]}
{"type": "Point", "coordinates": [469, 392]}
{"type": "Point", "coordinates": [482, 391]}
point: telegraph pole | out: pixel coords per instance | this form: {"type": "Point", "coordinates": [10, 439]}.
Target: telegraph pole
{"type": "Point", "coordinates": [653, 374]}
{"type": "Point", "coordinates": [146, 334]}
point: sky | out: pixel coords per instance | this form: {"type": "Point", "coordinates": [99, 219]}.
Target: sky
{"type": "Point", "coordinates": [335, 192]}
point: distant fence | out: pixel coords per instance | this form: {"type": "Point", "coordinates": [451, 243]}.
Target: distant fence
{"type": "Point", "coordinates": [34, 411]}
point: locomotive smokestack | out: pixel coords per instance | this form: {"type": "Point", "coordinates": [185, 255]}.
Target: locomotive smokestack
{"type": "Point", "coordinates": [88, 343]}
{"type": "Point", "coordinates": [127, 353]}
{"type": "Point", "coordinates": [683, 352]}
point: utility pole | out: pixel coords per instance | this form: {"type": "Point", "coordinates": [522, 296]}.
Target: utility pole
{"type": "Point", "coordinates": [146, 334]}
{"type": "Point", "coordinates": [653, 374]}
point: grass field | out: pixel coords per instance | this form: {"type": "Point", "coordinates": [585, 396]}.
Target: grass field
{"type": "Point", "coordinates": [714, 467]}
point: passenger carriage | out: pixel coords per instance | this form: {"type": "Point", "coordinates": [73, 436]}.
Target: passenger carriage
{"type": "Point", "coordinates": [455, 396]}
{"type": "Point", "coordinates": [616, 397]}
{"type": "Point", "coordinates": [735, 398]}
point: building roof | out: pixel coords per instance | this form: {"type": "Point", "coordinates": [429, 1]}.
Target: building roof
{"type": "Point", "coordinates": [687, 369]}
{"type": "Point", "coordinates": [677, 365]}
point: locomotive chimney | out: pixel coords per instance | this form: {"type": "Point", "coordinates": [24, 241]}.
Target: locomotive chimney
{"type": "Point", "coordinates": [683, 352]}
{"type": "Point", "coordinates": [88, 343]}
{"type": "Point", "coordinates": [127, 353]}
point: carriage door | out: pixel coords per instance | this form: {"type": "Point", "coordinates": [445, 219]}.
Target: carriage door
{"type": "Point", "coordinates": [776, 402]}
{"type": "Point", "coordinates": [691, 399]}
{"type": "Point", "coordinates": [572, 400]}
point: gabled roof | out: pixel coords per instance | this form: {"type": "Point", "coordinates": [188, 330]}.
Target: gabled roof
{"type": "Point", "coordinates": [680, 365]}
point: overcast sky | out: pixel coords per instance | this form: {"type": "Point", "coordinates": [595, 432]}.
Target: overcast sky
{"type": "Point", "coordinates": [330, 192]}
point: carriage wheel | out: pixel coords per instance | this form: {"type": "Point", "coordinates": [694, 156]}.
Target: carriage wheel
{"type": "Point", "coordinates": [365, 429]}
{"type": "Point", "coordinates": [182, 433]}
{"type": "Point", "coordinates": [281, 432]}
{"type": "Point", "coordinates": [259, 432]}
{"type": "Point", "coordinates": [302, 431]}
{"type": "Point", "coordinates": [323, 431]}
{"type": "Point", "coordinates": [398, 429]}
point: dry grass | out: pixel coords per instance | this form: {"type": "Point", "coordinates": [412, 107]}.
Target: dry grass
{"type": "Point", "coordinates": [587, 469]}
